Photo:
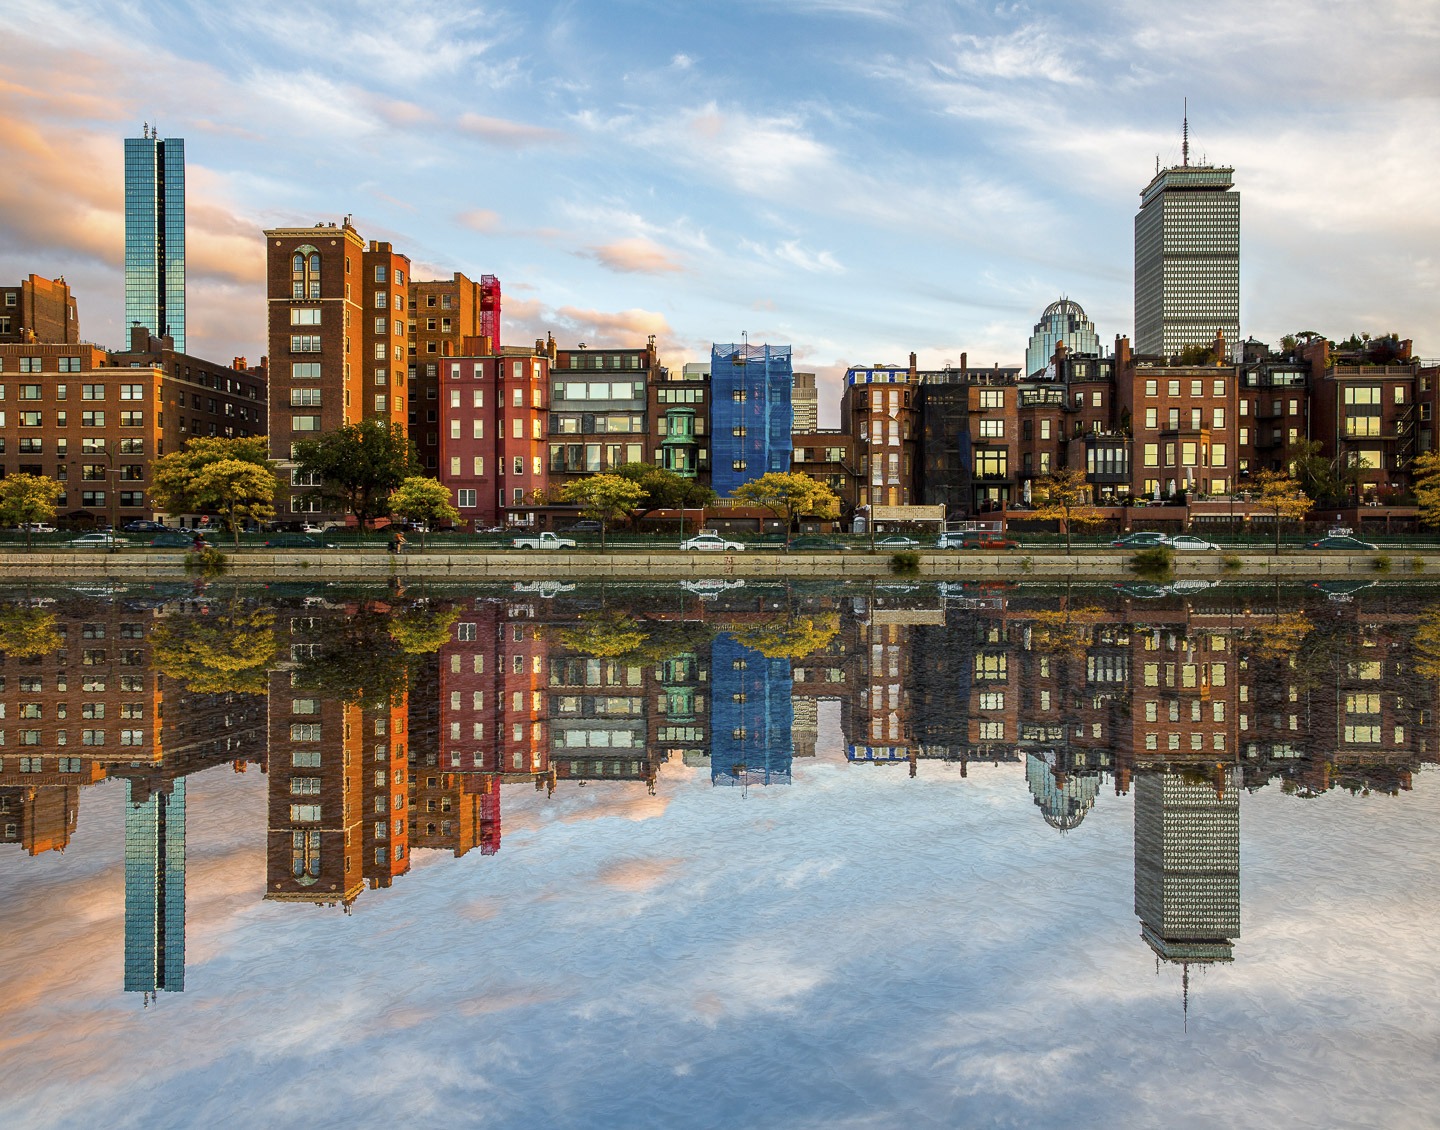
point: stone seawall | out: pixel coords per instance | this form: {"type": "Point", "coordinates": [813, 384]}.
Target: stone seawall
{"type": "Point", "coordinates": [376, 565]}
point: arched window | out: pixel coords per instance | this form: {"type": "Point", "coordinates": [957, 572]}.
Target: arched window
{"type": "Point", "coordinates": [305, 857]}
{"type": "Point", "coordinates": [305, 269]}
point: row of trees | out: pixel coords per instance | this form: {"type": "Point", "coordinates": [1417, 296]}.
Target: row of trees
{"type": "Point", "coordinates": [1064, 497]}
{"type": "Point", "coordinates": [370, 470]}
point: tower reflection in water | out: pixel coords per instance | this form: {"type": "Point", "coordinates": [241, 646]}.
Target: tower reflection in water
{"type": "Point", "coordinates": [386, 727]}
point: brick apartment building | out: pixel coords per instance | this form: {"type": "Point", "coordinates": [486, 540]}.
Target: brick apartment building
{"type": "Point", "coordinates": [95, 420]}
{"type": "Point", "coordinates": [39, 310]}
{"type": "Point", "coordinates": [494, 433]}
{"type": "Point", "coordinates": [445, 314]}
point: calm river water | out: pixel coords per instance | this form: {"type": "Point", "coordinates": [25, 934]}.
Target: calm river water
{"type": "Point", "coordinates": [729, 854]}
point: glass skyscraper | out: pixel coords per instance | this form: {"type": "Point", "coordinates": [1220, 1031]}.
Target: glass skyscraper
{"type": "Point", "coordinates": [155, 889]}
{"type": "Point", "coordinates": [155, 235]}
{"type": "Point", "coordinates": [1187, 260]}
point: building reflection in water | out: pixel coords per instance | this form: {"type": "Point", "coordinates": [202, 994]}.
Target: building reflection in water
{"type": "Point", "coordinates": [386, 727]}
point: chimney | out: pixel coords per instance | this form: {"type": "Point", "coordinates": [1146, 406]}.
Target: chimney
{"type": "Point", "coordinates": [239, 365]}
{"type": "Point", "coordinates": [913, 367]}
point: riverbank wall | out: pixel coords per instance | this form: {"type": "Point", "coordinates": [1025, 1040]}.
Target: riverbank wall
{"type": "Point", "coordinates": [377, 565]}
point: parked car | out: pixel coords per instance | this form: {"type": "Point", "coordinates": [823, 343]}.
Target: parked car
{"type": "Point", "coordinates": [710, 542]}
{"type": "Point", "coordinates": [1340, 541]}
{"type": "Point", "coordinates": [174, 539]}
{"type": "Point", "coordinates": [1141, 539]}
{"type": "Point", "coordinates": [145, 526]}
{"type": "Point", "coordinates": [98, 541]}
{"type": "Point", "coordinates": [584, 526]}
{"type": "Point", "coordinates": [1190, 542]}
{"type": "Point", "coordinates": [896, 541]}
{"type": "Point", "coordinates": [547, 540]}
{"type": "Point", "coordinates": [813, 544]}
{"type": "Point", "coordinates": [38, 528]}
{"type": "Point", "coordinates": [976, 539]}
{"type": "Point", "coordinates": [298, 541]}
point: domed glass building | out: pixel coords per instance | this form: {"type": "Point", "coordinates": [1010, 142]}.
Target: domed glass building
{"type": "Point", "coordinates": [1062, 321]}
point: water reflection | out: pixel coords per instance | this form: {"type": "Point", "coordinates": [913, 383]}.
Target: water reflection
{"type": "Point", "coordinates": [388, 726]}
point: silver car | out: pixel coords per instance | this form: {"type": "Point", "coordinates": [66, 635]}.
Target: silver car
{"type": "Point", "coordinates": [98, 541]}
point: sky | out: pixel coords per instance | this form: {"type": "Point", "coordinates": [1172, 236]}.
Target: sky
{"type": "Point", "coordinates": [857, 949]}
{"type": "Point", "coordinates": [857, 178]}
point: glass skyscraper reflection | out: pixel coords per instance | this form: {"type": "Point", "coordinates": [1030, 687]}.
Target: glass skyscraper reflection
{"type": "Point", "coordinates": [155, 235]}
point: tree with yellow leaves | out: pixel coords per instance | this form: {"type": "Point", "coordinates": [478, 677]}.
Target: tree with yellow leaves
{"type": "Point", "coordinates": [1064, 496]}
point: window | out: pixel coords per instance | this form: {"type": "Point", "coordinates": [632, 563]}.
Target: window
{"type": "Point", "coordinates": [301, 371]}
{"type": "Point", "coordinates": [305, 813]}
{"type": "Point", "coordinates": [1152, 417]}
{"type": "Point", "coordinates": [1152, 455]}
{"type": "Point", "coordinates": [1218, 418]}
{"type": "Point", "coordinates": [466, 499]}
{"type": "Point", "coordinates": [305, 316]}
{"type": "Point", "coordinates": [1152, 388]}
{"type": "Point", "coordinates": [992, 398]}
{"type": "Point", "coordinates": [305, 731]}
{"type": "Point", "coordinates": [305, 398]}
{"type": "Point", "coordinates": [991, 464]}
{"type": "Point", "coordinates": [304, 343]}
{"type": "Point", "coordinates": [305, 423]}
{"type": "Point", "coordinates": [992, 429]}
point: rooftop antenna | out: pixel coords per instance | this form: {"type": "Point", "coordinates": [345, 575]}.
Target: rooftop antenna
{"type": "Point", "coordinates": [1185, 136]}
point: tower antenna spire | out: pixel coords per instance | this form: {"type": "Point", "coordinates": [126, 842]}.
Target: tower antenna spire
{"type": "Point", "coordinates": [1185, 135]}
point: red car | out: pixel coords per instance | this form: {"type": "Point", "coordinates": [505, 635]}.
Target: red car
{"type": "Point", "coordinates": [976, 539]}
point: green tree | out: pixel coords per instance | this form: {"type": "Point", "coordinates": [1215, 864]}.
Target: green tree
{"type": "Point", "coordinates": [1064, 496]}
{"type": "Point", "coordinates": [27, 633]}
{"type": "Point", "coordinates": [25, 499]}
{"type": "Point", "coordinates": [1425, 475]}
{"type": "Point", "coordinates": [372, 654]}
{"type": "Point", "coordinates": [233, 477]}
{"type": "Point", "coordinates": [788, 637]}
{"type": "Point", "coordinates": [665, 490]}
{"type": "Point", "coordinates": [1315, 473]}
{"type": "Point", "coordinates": [425, 501]}
{"type": "Point", "coordinates": [1283, 497]}
{"type": "Point", "coordinates": [228, 651]}
{"type": "Point", "coordinates": [790, 496]}
{"type": "Point", "coordinates": [604, 498]}
{"type": "Point", "coordinates": [359, 465]}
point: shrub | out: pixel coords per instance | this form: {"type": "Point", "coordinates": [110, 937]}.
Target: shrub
{"type": "Point", "coordinates": [1154, 564]}
{"type": "Point", "coordinates": [905, 563]}
{"type": "Point", "coordinates": [1381, 564]}
{"type": "Point", "coordinates": [1417, 564]}
{"type": "Point", "coordinates": [208, 562]}
{"type": "Point", "coordinates": [1233, 564]}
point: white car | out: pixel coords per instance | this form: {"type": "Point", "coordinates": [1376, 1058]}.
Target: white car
{"type": "Point", "coordinates": [702, 542]}
{"type": "Point", "coordinates": [98, 541]}
{"type": "Point", "coordinates": [1189, 541]}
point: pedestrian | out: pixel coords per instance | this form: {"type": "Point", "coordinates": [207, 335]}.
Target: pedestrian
{"type": "Point", "coordinates": [400, 544]}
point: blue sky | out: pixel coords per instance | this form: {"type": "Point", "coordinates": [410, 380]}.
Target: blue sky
{"type": "Point", "coordinates": [855, 177]}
